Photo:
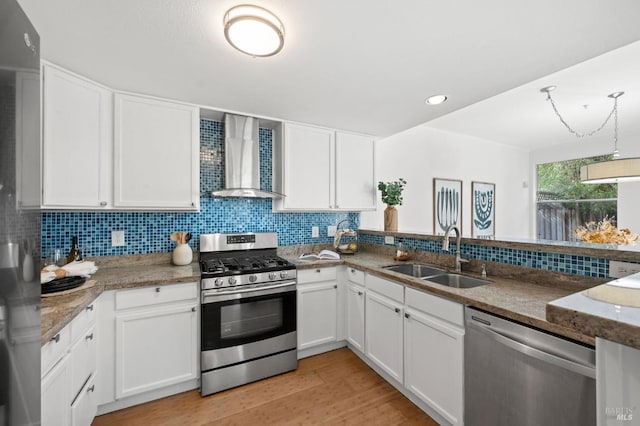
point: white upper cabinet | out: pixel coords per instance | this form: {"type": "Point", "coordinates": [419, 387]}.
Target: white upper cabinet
{"type": "Point", "coordinates": [355, 188]}
{"type": "Point", "coordinates": [156, 154]}
{"type": "Point", "coordinates": [319, 169]}
{"type": "Point", "coordinates": [77, 123]}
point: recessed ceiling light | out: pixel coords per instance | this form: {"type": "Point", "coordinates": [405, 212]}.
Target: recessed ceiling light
{"type": "Point", "coordinates": [253, 30]}
{"type": "Point", "coordinates": [435, 99]}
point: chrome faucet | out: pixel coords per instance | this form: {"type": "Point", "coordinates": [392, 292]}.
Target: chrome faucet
{"type": "Point", "coordinates": [445, 246]}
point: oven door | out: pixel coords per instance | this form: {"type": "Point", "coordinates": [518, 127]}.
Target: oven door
{"type": "Point", "coordinates": [245, 324]}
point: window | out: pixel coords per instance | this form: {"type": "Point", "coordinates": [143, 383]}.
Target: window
{"type": "Point", "coordinates": [564, 203]}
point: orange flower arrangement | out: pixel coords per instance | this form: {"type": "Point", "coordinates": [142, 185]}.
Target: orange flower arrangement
{"type": "Point", "coordinates": [605, 232]}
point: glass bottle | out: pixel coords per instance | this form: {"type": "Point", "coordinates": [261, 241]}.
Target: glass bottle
{"type": "Point", "coordinates": [74, 252]}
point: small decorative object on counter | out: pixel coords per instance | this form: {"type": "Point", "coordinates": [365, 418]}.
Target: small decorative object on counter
{"type": "Point", "coordinates": [391, 196]}
{"type": "Point", "coordinates": [74, 252]}
{"type": "Point", "coordinates": [401, 253]}
{"type": "Point", "coordinates": [346, 239]}
{"type": "Point", "coordinates": [182, 254]}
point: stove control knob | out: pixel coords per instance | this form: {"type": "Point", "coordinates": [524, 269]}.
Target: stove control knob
{"type": "Point", "coordinates": [272, 275]}
{"type": "Point", "coordinates": [232, 281]}
{"type": "Point", "coordinates": [252, 278]}
{"type": "Point", "coordinates": [283, 274]}
{"type": "Point", "coordinates": [217, 282]}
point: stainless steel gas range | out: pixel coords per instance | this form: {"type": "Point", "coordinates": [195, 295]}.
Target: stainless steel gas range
{"type": "Point", "coordinates": [248, 315]}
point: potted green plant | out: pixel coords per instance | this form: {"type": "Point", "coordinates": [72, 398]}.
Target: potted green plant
{"type": "Point", "coordinates": [391, 196]}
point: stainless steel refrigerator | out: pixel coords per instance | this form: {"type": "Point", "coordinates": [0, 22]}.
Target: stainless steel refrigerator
{"type": "Point", "coordinates": [19, 217]}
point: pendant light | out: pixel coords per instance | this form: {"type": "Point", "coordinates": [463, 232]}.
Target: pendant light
{"type": "Point", "coordinates": [253, 30]}
{"type": "Point", "coordinates": [611, 171]}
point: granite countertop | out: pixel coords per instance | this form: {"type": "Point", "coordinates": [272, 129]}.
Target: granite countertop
{"type": "Point", "coordinates": [58, 311]}
{"type": "Point", "coordinates": [517, 299]}
{"type": "Point", "coordinates": [521, 301]}
{"type": "Point", "coordinates": [593, 313]}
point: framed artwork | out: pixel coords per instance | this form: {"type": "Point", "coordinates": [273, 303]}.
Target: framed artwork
{"type": "Point", "coordinates": [447, 204]}
{"type": "Point", "coordinates": [483, 210]}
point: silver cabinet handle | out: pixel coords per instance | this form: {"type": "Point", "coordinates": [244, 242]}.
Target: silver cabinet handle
{"type": "Point", "coordinates": [397, 310]}
{"type": "Point", "coordinates": [157, 289]}
{"type": "Point", "coordinates": [193, 309]}
{"type": "Point", "coordinates": [406, 315]}
{"type": "Point", "coordinates": [91, 388]}
{"type": "Point", "coordinates": [89, 308]}
{"type": "Point", "coordinates": [318, 270]}
{"type": "Point", "coordinates": [103, 203]}
{"type": "Point", "coordinates": [89, 336]}
{"type": "Point", "coordinates": [335, 286]}
{"type": "Point", "coordinates": [359, 293]}
{"type": "Point", "coordinates": [55, 338]}
{"type": "Point", "coordinates": [353, 271]}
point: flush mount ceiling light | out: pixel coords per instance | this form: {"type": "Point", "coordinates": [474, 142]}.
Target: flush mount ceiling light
{"type": "Point", "coordinates": [435, 100]}
{"type": "Point", "coordinates": [253, 30]}
{"type": "Point", "coordinates": [612, 171]}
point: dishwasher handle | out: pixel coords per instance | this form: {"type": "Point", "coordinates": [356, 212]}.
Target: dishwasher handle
{"type": "Point", "coordinates": [538, 354]}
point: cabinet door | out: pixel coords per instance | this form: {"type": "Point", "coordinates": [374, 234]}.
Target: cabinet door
{"type": "Point", "coordinates": [383, 329]}
{"type": "Point", "coordinates": [156, 154]}
{"type": "Point", "coordinates": [77, 123]}
{"type": "Point", "coordinates": [308, 168]}
{"type": "Point", "coordinates": [83, 360]}
{"type": "Point", "coordinates": [84, 408]}
{"type": "Point", "coordinates": [355, 187]}
{"type": "Point", "coordinates": [317, 313]}
{"type": "Point", "coordinates": [355, 316]}
{"type": "Point", "coordinates": [155, 348]}
{"type": "Point", "coordinates": [55, 395]}
{"type": "Point", "coordinates": [434, 354]}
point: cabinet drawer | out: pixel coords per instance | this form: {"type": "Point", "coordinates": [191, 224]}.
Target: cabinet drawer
{"type": "Point", "coordinates": [82, 322]}
{"type": "Point", "coordinates": [316, 275]}
{"type": "Point", "coordinates": [386, 288]}
{"type": "Point", "coordinates": [54, 349]}
{"type": "Point", "coordinates": [155, 295]}
{"type": "Point", "coordinates": [436, 306]}
{"type": "Point", "coordinates": [355, 275]}
{"type": "Point", "coordinates": [84, 408]}
{"type": "Point", "coordinates": [83, 360]}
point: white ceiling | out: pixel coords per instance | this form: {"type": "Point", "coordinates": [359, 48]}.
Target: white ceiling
{"type": "Point", "coordinates": [359, 65]}
{"type": "Point", "coordinates": [522, 117]}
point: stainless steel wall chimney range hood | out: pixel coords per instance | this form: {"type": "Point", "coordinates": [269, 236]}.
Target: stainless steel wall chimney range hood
{"type": "Point", "coordinates": [242, 159]}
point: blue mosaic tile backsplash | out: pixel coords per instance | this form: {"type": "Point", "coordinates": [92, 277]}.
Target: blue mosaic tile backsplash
{"type": "Point", "coordinates": [557, 262]}
{"type": "Point", "coordinates": [148, 232]}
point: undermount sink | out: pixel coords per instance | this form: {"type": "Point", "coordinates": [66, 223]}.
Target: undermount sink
{"type": "Point", "coordinates": [436, 275]}
{"type": "Point", "coordinates": [418, 271]}
{"type": "Point", "coordinates": [456, 281]}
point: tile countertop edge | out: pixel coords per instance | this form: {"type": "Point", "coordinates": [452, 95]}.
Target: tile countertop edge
{"type": "Point", "coordinates": [569, 312]}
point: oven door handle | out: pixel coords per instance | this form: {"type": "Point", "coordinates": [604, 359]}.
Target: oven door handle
{"type": "Point", "coordinates": [211, 296]}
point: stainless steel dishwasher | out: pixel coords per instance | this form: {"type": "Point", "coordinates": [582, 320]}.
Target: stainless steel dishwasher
{"type": "Point", "coordinates": [517, 375]}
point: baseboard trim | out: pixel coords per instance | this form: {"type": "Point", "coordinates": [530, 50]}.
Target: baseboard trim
{"type": "Point", "coordinates": [148, 396]}
{"type": "Point", "coordinates": [320, 349]}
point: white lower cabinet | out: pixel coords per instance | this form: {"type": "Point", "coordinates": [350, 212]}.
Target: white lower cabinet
{"type": "Point", "coordinates": [83, 409]}
{"type": "Point", "coordinates": [69, 371]}
{"type": "Point", "coordinates": [317, 307]}
{"type": "Point", "coordinates": [55, 394]}
{"type": "Point", "coordinates": [155, 348]}
{"type": "Point", "coordinates": [383, 325]}
{"type": "Point", "coordinates": [355, 316]}
{"type": "Point", "coordinates": [433, 353]}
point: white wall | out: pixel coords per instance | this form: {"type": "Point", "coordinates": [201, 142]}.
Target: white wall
{"type": "Point", "coordinates": [601, 144]}
{"type": "Point", "coordinates": [422, 153]}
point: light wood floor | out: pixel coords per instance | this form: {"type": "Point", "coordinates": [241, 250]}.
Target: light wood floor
{"type": "Point", "coordinates": [332, 388]}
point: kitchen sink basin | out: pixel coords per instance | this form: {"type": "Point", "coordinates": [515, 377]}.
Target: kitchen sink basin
{"type": "Point", "coordinates": [456, 281]}
{"type": "Point", "coordinates": [414, 270]}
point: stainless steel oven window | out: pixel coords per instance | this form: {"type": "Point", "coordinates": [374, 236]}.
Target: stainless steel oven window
{"type": "Point", "coordinates": [251, 318]}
